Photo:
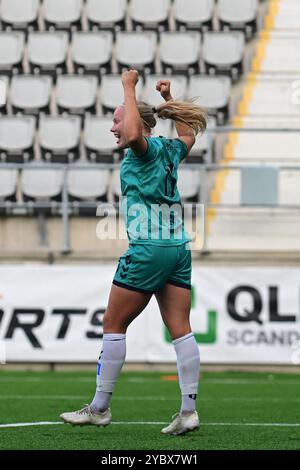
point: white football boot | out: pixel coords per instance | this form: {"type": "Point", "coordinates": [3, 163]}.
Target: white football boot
{"type": "Point", "coordinates": [87, 416]}
{"type": "Point", "coordinates": [183, 423]}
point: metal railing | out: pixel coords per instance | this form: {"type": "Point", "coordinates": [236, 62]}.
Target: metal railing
{"type": "Point", "coordinates": [64, 208]}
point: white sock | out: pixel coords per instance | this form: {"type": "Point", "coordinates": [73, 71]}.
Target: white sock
{"type": "Point", "coordinates": [110, 363]}
{"type": "Point", "coordinates": [188, 365]}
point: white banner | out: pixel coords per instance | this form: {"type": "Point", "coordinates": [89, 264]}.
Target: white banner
{"type": "Point", "coordinates": [239, 315]}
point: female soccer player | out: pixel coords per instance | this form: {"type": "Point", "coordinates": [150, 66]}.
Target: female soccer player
{"type": "Point", "coordinates": [158, 260]}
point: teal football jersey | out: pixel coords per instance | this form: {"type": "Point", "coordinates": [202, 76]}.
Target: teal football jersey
{"type": "Point", "coordinates": [151, 202]}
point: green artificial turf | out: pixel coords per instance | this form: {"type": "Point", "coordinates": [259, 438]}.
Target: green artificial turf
{"type": "Point", "coordinates": [237, 411]}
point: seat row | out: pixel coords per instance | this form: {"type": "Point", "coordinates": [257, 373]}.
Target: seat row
{"type": "Point", "coordinates": [44, 188]}
{"type": "Point", "coordinates": [111, 14]}
{"type": "Point", "coordinates": [94, 52]}
{"type": "Point", "coordinates": [79, 94]}
{"type": "Point", "coordinates": [60, 140]}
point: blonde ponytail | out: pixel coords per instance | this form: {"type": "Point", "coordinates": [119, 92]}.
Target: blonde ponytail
{"type": "Point", "coordinates": [185, 112]}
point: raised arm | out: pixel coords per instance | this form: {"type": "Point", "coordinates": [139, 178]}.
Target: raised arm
{"type": "Point", "coordinates": [133, 128]}
{"type": "Point", "coordinates": [184, 132]}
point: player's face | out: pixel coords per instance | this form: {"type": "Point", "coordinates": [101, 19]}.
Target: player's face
{"type": "Point", "coordinates": [117, 128]}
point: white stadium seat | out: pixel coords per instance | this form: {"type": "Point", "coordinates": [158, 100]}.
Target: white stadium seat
{"type": "Point", "coordinates": [150, 15]}
{"type": "Point", "coordinates": [8, 184]}
{"type": "Point", "coordinates": [11, 52]}
{"type": "Point", "coordinates": [116, 185]}
{"type": "Point", "coordinates": [234, 14]}
{"type": "Point", "coordinates": [47, 52]}
{"type": "Point", "coordinates": [99, 142]}
{"type": "Point", "coordinates": [92, 51]}
{"type": "Point", "coordinates": [223, 52]}
{"type": "Point", "coordinates": [59, 138]}
{"type": "Point", "coordinates": [163, 128]}
{"type": "Point", "coordinates": [76, 94]}
{"type": "Point", "coordinates": [212, 93]}
{"type": "Point", "coordinates": [20, 14]}
{"type": "Point", "coordinates": [30, 94]}
{"type": "Point", "coordinates": [203, 149]}
{"type": "Point", "coordinates": [4, 86]}
{"type": "Point", "coordinates": [112, 92]}
{"type": "Point", "coordinates": [180, 52]}
{"type": "Point", "coordinates": [63, 15]}
{"type": "Point", "coordinates": [88, 184]}
{"type": "Point", "coordinates": [129, 55]}
{"type": "Point", "coordinates": [192, 14]}
{"type": "Point", "coordinates": [41, 184]}
{"type": "Point", "coordinates": [188, 184]}
{"type": "Point", "coordinates": [17, 135]}
{"type": "Point", "coordinates": [106, 14]}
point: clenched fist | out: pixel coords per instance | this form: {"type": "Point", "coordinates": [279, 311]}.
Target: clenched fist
{"type": "Point", "coordinates": [130, 77]}
{"type": "Point", "coordinates": [164, 88]}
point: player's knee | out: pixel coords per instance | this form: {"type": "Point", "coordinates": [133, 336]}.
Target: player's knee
{"type": "Point", "coordinates": [111, 324]}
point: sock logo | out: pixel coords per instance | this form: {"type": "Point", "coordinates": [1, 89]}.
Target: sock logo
{"type": "Point", "coordinates": [193, 396]}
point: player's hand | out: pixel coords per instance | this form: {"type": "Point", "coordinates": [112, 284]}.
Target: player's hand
{"type": "Point", "coordinates": [164, 88]}
{"type": "Point", "coordinates": [130, 77]}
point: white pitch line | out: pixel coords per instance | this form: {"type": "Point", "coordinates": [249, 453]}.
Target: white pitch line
{"type": "Point", "coordinates": [142, 380]}
{"type": "Point", "coordinates": [222, 381]}
{"type": "Point", "coordinates": [147, 398]}
{"type": "Point", "coordinates": [151, 423]}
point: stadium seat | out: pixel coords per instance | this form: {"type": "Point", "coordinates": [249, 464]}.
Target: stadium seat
{"type": "Point", "coordinates": [8, 185]}
{"type": "Point", "coordinates": [76, 94]}
{"type": "Point", "coordinates": [212, 93]}
{"type": "Point", "coordinates": [92, 52]}
{"type": "Point", "coordinates": [4, 83]}
{"type": "Point", "coordinates": [116, 186]}
{"type": "Point", "coordinates": [194, 15]}
{"type": "Point", "coordinates": [11, 52]}
{"type": "Point", "coordinates": [59, 138]}
{"type": "Point", "coordinates": [203, 149]}
{"type": "Point", "coordinates": [17, 135]}
{"type": "Point", "coordinates": [43, 188]}
{"type": "Point", "coordinates": [19, 14]}
{"type": "Point", "coordinates": [128, 55]}
{"type": "Point", "coordinates": [47, 52]}
{"type": "Point", "coordinates": [188, 184]}
{"type": "Point", "coordinates": [87, 187]}
{"type": "Point", "coordinates": [180, 52]}
{"type": "Point", "coordinates": [112, 92]}
{"type": "Point", "coordinates": [150, 15]}
{"type": "Point", "coordinates": [223, 53]}
{"type": "Point", "coordinates": [30, 94]}
{"type": "Point", "coordinates": [237, 15]}
{"type": "Point", "coordinates": [153, 97]}
{"type": "Point", "coordinates": [163, 128]}
{"type": "Point", "coordinates": [106, 14]}
{"type": "Point", "coordinates": [99, 141]}
{"type": "Point", "coordinates": [63, 15]}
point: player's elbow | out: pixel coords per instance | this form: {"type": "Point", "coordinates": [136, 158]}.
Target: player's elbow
{"type": "Point", "coordinates": [189, 140]}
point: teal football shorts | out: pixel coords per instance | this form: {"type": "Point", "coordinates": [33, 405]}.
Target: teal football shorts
{"type": "Point", "coordinates": [147, 268]}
